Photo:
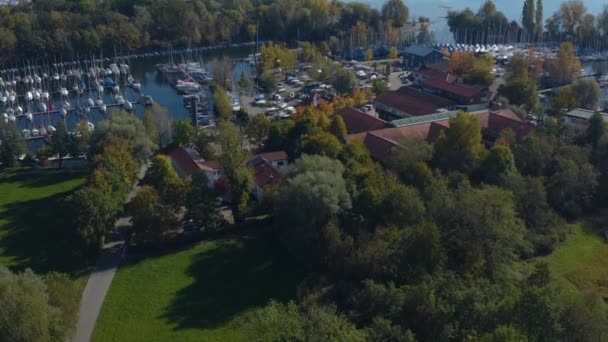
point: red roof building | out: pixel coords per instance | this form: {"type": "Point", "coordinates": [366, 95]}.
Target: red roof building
{"type": "Point", "coordinates": [407, 102]}
{"type": "Point", "coordinates": [357, 121]}
{"type": "Point", "coordinates": [461, 93]}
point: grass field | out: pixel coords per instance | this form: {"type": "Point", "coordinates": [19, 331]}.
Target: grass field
{"type": "Point", "coordinates": [32, 222]}
{"type": "Point", "coordinates": [581, 262]}
{"type": "Point", "coordinates": [203, 293]}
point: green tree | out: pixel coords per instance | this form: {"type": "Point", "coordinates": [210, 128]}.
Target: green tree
{"type": "Point", "coordinates": [123, 125]}
{"type": "Point", "coordinates": [379, 86]}
{"type": "Point", "coordinates": [504, 333]}
{"type": "Point", "coordinates": [322, 143]}
{"type": "Point", "coordinates": [587, 93]}
{"type": "Point", "coordinates": [267, 81]}
{"type": "Point", "coordinates": [65, 295]}
{"type": "Point", "coordinates": [566, 66]}
{"type": "Point", "coordinates": [460, 147]}
{"type": "Point", "coordinates": [369, 55]}
{"type": "Point", "coordinates": [481, 71]}
{"type": "Point", "coordinates": [522, 92]}
{"type": "Point", "coordinates": [410, 160]}
{"type": "Point", "coordinates": [528, 17]}
{"type": "Point", "coordinates": [338, 127]}
{"type": "Point", "coordinates": [11, 144]}
{"type": "Point", "coordinates": [395, 12]}
{"type": "Point", "coordinates": [79, 143]}
{"type": "Point", "coordinates": [183, 133]}
{"type": "Point", "coordinates": [163, 177]}
{"type": "Point", "coordinates": [572, 187]}
{"type": "Point", "coordinates": [60, 141]}
{"type": "Point", "coordinates": [345, 82]}
{"type": "Point", "coordinates": [28, 312]}
{"type": "Point", "coordinates": [517, 67]}
{"type": "Point", "coordinates": [157, 124]}
{"type": "Point", "coordinates": [533, 154]}
{"type": "Point", "coordinates": [258, 129]}
{"type": "Point", "coordinates": [312, 191]}
{"type": "Point", "coordinates": [151, 220]}
{"type": "Point", "coordinates": [539, 19]}
{"type": "Point", "coordinates": [223, 108]}
{"type": "Point", "coordinates": [497, 164]}
{"type": "Point", "coordinates": [596, 129]}
{"type": "Point", "coordinates": [243, 82]}
{"type": "Point", "coordinates": [203, 144]}
{"type": "Point", "coordinates": [202, 203]}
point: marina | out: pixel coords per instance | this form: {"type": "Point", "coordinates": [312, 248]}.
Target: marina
{"type": "Point", "coordinates": [36, 98]}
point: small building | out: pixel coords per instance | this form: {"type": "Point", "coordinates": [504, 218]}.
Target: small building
{"type": "Point", "coordinates": [579, 118]}
{"type": "Point", "coordinates": [264, 175]}
{"type": "Point", "coordinates": [416, 56]}
{"type": "Point", "coordinates": [186, 162]}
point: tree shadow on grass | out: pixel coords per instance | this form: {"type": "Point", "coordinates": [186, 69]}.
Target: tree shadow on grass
{"type": "Point", "coordinates": [37, 234]}
{"type": "Point", "coordinates": [236, 276]}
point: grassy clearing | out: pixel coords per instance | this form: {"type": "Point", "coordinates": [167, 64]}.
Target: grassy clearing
{"type": "Point", "coordinates": [200, 294]}
{"type": "Point", "coordinates": [581, 262]}
{"type": "Point", "coordinates": [33, 221]}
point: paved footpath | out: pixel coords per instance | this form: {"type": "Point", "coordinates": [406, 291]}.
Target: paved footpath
{"type": "Point", "coordinates": [110, 257]}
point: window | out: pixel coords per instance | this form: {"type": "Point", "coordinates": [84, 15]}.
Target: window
{"type": "Point", "coordinates": [281, 163]}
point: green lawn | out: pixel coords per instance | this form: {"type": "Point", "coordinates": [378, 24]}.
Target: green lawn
{"type": "Point", "coordinates": [203, 293]}
{"type": "Point", "coordinates": [581, 262]}
{"type": "Point", "coordinates": [33, 222]}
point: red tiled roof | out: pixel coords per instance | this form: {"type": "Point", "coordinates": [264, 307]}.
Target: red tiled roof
{"type": "Point", "coordinates": [184, 161]}
{"type": "Point", "coordinates": [272, 156]}
{"type": "Point", "coordinates": [436, 74]}
{"type": "Point", "coordinates": [453, 88]}
{"type": "Point", "coordinates": [357, 121]}
{"type": "Point", "coordinates": [265, 174]}
{"type": "Point", "coordinates": [378, 146]}
{"type": "Point", "coordinates": [405, 103]}
{"type": "Point", "coordinates": [496, 121]}
{"type": "Point", "coordinates": [433, 100]}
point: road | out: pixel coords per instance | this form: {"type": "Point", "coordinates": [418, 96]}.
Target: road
{"type": "Point", "coordinates": [110, 257]}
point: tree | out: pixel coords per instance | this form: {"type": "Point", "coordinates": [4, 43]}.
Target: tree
{"type": "Point", "coordinates": [338, 127]}
{"type": "Point", "coordinates": [151, 220]}
{"type": "Point", "coordinates": [322, 143]}
{"type": "Point", "coordinates": [163, 177]}
{"type": "Point", "coordinates": [396, 12]}
{"type": "Point", "coordinates": [202, 203]}
{"type": "Point", "coordinates": [223, 107]}
{"type": "Point", "coordinates": [596, 129]}
{"type": "Point", "coordinates": [485, 239]}
{"type": "Point", "coordinates": [125, 126]}
{"type": "Point", "coordinates": [243, 82]}
{"type": "Point", "coordinates": [79, 143]}
{"type": "Point", "coordinates": [481, 71]}
{"type": "Point", "coordinates": [60, 141]}
{"type": "Point", "coordinates": [402, 205]}
{"type": "Point", "coordinates": [460, 147]}
{"type": "Point", "coordinates": [267, 81]}
{"type": "Point", "coordinates": [409, 161]}
{"type": "Point", "coordinates": [566, 66]}
{"type": "Point", "coordinates": [345, 81]}
{"type": "Point", "coordinates": [287, 322]}
{"type": "Point", "coordinates": [517, 67]}
{"type": "Point", "coordinates": [30, 312]}
{"type": "Point", "coordinates": [312, 191]}
{"type": "Point", "coordinates": [65, 295]}
{"type": "Point", "coordinates": [522, 91]}
{"type": "Point", "coordinates": [369, 55]}
{"type": "Point", "coordinates": [497, 164]}
{"type": "Point", "coordinates": [528, 17]}
{"type": "Point", "coordinates": [157, 124]}
{"type": "Point", "coordinates": [564, 101]}
{"type": "Point", "coordinates": [11, 144]}
{"type": "Point", "coordinates": [587, 93]}
{"type": "Point", "coordinates": [461, 63]}
{"type": "Point", "coordinates": [203, 145]}
{"type": "Point", "coordinates": [183, 133]}
{"type": "Point", "coordinates": [572, 187]}
{"type": "Point", "coordinates": [379, 86]}
{"type": "Point", "coordinates": [258, 130]}
{"type": "Point", "coordinates": [539, 19]}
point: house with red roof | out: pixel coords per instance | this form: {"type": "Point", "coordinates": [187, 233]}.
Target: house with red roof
{"type": "Point", "coordinates": [266, 167]}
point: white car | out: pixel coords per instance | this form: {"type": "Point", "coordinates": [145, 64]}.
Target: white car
{"type": "Point", "coordinates": [260, 102]}
{"type": "Point", "coordinates": [281, 89]}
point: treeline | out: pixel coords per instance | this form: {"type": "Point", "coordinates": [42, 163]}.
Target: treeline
{"type": "Point", "coordinates": [570, 22]}
{"type": "Point", "coordinates": [400, 252]}
{"type": "Point", "coordinates": [44, 29]}
{"type": "Point", "coordinates": [117, 147]}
